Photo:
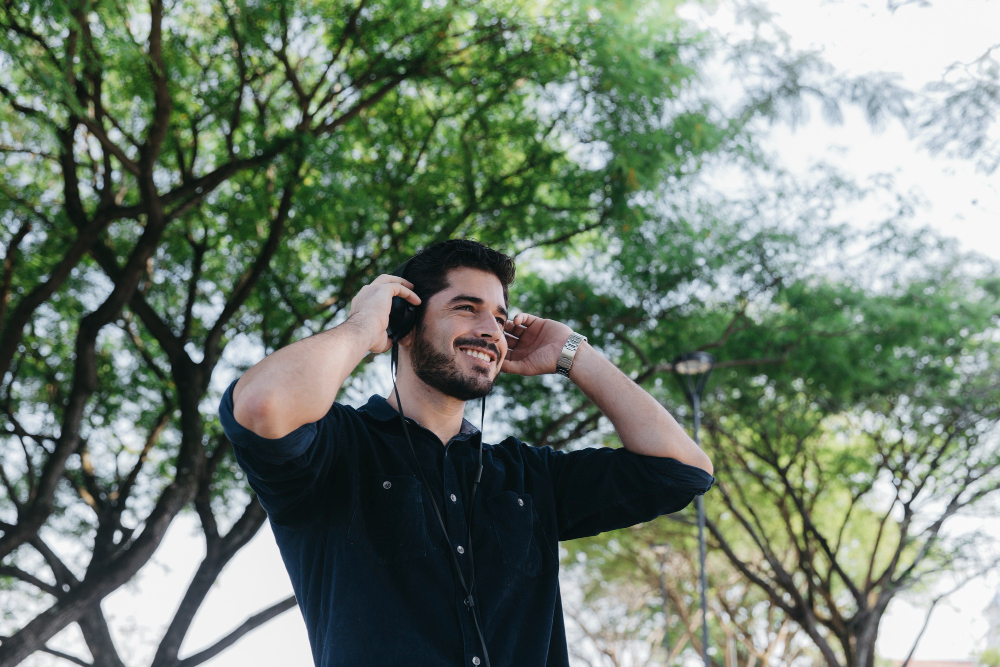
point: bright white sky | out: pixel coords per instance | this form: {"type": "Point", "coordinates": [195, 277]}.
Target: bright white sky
{"type": "Point", "coordinates": [855, 36]}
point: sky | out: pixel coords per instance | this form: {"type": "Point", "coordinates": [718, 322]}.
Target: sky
{"type": "Point", "coordinates": [917, 42]}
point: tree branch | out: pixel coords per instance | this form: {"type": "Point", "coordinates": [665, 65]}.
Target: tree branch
{"type": "Point", "coordinates": [66, 656]}
{"type": "Point", "coordinates": [18, 573]}
{"type": "Point", "coordinates": [246, 282]}
{"type": "Point", "coordinates": [251, 623]}
{"type": "Point", "coordinates": [219, 551]}
{"type": "Point", "coordinates": [96, 633]}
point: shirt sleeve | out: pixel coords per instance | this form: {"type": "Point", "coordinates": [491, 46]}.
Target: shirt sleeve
{"type": "Point", "coordinates": [598, 489]}
{"type": "Point", "coordinates": [287, 472]}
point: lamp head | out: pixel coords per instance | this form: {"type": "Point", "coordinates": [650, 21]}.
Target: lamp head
{"type": "Point", "coordinates": [692, 370]}
{"type": "Point", "coordinates": [693, 363]}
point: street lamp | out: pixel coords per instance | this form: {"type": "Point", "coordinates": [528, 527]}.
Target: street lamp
{"type": "Point", "coordinates": [661, 555]}
{"type": "Point", "coordinates": [692, 370]}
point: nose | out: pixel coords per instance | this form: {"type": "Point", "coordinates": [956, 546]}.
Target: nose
{"type": "Point", "coordinates": [491, 328]}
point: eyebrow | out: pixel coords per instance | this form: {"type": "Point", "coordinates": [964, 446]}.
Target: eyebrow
{"type": "Point", "coordinates": [476, 300]}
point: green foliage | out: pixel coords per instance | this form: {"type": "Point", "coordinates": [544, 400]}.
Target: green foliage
{"type": "Point", "coordinates": [859, 427]}
{"type": "Point", "coordinates": [190, 185]}
{"type": "Point", "coordinates": [988, 657]}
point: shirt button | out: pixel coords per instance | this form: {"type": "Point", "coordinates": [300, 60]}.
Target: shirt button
{"type": "Point", "coordinates": [454, 498]}
{"type": "Point", "coordinates": [475, 660]}
{"type": "Point", "coordinates": [519, 501]}
{"type": "Point", "coordinates": [461, 550]}
{"type": "Point", "coordinates": [386, 484]}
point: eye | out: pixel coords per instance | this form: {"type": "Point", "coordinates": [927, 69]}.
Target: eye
{"type": "Point", "coordinates": [501, 321]}
{"type": "Point", "coordinates": [467, 307]}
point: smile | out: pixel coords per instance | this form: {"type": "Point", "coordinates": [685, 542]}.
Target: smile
{"type": "Point", "coordinates": [478, 355]}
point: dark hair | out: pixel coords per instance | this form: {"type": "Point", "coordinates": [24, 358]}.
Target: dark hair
{"type": "Point", "coordinates": [428, 269]}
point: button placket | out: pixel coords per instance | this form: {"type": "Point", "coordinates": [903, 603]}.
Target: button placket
{"type": "Point", "coordinates": [455, 515]}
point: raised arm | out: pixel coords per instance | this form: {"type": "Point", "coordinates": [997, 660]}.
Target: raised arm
{"type": "Point", "coordinates": [643, 425]}
{"type": "Point", "coordinates": [297, 384]}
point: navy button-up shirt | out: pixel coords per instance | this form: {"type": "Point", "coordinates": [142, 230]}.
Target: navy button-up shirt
{"type": "Point", "coordinates": [366, 555]}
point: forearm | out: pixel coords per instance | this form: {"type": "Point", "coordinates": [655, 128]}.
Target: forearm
{"type": "Point", "coordinates": [643, 425]}
{"type": "Point", "coordinates": [297, 384]}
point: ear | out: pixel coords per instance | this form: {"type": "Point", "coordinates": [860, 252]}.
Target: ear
{"type": "Point", "coordinates": [407, 340]}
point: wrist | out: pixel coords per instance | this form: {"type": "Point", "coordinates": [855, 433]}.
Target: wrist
{"type": "Point", "coordinates": [583, 362]}
{"type": "Point", "coordinates": [567, 356]}
{"type": "Point", "coordinates": [366, 327]}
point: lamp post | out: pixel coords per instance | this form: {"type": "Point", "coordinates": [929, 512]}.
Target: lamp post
{"type": "Point", "coordinates": [692, 370]}
{"type": "Point", "coordinates": [661, 555]}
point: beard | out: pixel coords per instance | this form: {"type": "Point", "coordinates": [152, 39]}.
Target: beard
{"type": "Point", "coordinates": [440, 371]}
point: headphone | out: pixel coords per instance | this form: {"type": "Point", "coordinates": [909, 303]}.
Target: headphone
{"type": "Point", "coordinates": [402, 314]}
{"type": "Point", "coordinates": [402, 318]}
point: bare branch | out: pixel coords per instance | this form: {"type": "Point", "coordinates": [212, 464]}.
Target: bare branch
{"type": "Point", "coordinates": [251, 623]}
{"type": "Point", "coordinates": [962, 582]}
{"type": "Point", "coordinates": [96, 633]}
{"type": "Point", "coordinates": [219, 551]}
{"type": "Point", "coordinates": [18, 573]}
{"type": "Point", "coordinates": [63, 576]}
{"type": "Point", "coordinates": [121, 494]}
{"type": "Point", "coordinates": [163, 104]}
{"type": "Point", "coordinates": [192, 294]}
{"type": "Point", "coordinates": [66, 656]}
{"type": "Point", "coordinates": [11, 98]}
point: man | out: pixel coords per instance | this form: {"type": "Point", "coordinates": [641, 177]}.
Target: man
{"type": "Point", "coordinates": [383, 576]}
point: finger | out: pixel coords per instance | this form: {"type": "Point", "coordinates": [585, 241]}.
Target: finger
{"type": "Point", "coordinates": [514, 329]}
{"type": "Point", "coordinates": [387, 278]}
{"type": "Point", "coordinates": [399, 289]}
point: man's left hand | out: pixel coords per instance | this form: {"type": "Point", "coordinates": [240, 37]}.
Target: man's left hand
{"type": "Point", "coordinates": [533, 344]}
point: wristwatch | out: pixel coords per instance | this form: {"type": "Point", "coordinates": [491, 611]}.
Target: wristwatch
{"type": "Point", "coordinates": [568, 352]}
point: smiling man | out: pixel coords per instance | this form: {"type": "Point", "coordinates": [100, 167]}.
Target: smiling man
{"type": "Point", "coordinates": [408, 540]}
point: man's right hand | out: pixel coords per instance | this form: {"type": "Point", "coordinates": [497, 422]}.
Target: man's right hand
{"type": "Point", "coordinates": [371, 306]}
{"type": "Point", "coordinates": [297, 384]}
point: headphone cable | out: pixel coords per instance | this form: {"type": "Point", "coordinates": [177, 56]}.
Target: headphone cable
{"type": "Point", "coordinates": [469, 600]}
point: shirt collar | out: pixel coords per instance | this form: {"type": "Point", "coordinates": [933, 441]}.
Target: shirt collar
{"type": "Point", "coordinates": [380, 409]}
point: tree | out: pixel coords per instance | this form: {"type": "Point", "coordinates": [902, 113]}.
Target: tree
{"type": "Point", "coordinates": [854, 412]}
{"type": "Point", "coordinates": [641, 603]}
{"type": "Point", "coordinates": [857, 414]}
{"type": "Point", "coordinates": [848, 506]}
{"type": "Point", "coordinates": [179, 177]}
{"type": "Point", "coordinates": [840, 465]}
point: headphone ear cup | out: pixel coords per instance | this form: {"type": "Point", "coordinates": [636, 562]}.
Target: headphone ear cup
{"type": "Point", "coordinates": [402, 317]}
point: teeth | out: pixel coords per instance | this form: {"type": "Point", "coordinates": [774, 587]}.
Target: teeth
{"type": "Point", "coordinates": [477, 355]}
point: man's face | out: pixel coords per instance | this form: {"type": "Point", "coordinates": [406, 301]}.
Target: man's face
{"type": "Point", "coordinates": [459, 346]}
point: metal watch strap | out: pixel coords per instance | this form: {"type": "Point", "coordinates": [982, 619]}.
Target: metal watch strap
{"type": "Point", "coordinates": [568, 352]}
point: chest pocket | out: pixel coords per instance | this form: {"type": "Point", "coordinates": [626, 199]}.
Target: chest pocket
{"type": "Point", "coordinates": [389, 521]}
{"type": "Point", "coordinates": [518, 531]}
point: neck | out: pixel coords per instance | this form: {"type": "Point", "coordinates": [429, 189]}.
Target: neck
{"type": "Point", "coordinates": [438, 413]}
